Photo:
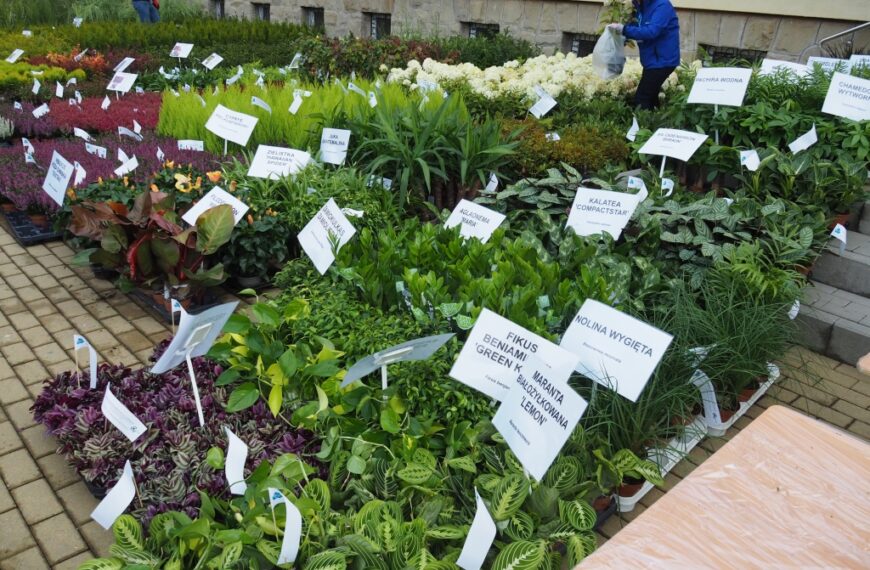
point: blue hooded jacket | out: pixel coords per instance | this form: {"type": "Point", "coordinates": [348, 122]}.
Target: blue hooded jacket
{"type": "Point", "coordinates": [657, 33]}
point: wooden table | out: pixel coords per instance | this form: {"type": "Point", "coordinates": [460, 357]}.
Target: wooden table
{"type": "Point", "coordinates": [787, 492]}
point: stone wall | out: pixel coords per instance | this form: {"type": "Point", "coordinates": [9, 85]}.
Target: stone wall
{"type": "Point", "coordinates": [547, 23]}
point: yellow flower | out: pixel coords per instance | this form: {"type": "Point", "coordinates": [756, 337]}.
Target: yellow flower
{"type": "Point", "coordinates": [198, 182]}
{"type": "Point", "coordinates": [250, 219]}
{"type": "Point", "coordinates": [182, 183]}
{"type": "Point", "coordinates": [169, 164]}
{"type": "Point", "coordinates": [214, 176]}
{"type": "Point", "coordinates": [126, 181]}
{"type": "Point", "coordinates": [233, 186]}
{"type": "Point", "coordinates": [71, 194]}
{"type": "Point", "coordinates": [154, 188]}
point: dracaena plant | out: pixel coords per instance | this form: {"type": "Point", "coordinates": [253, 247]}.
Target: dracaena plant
{"type": "Point", "coordinates": [147, 244]}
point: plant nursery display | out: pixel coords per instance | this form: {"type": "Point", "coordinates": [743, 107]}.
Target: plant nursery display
{"type": "Point", "coordinates": [334, 169]}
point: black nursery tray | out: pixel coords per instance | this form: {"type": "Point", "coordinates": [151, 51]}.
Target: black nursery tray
{"type": "Point", "coordinates": [26, 232]}
{"type": "Point", "coordinates": [210, 299]}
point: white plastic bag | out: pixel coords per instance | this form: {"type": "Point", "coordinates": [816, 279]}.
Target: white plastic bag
{"type": "Point", "coordinates": [608, 57]}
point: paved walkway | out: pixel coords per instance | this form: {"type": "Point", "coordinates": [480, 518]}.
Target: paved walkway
{"type": "Point", "coordinates": [45, 507]}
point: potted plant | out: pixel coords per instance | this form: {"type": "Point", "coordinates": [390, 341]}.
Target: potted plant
{"type": "Point", "coordinates": [169, 460]}
{"type": "Point", "coordinates": [38, 215]}
{"type": "Point", "coordinates": [258, 244]}
{"type": "Point", "coordinates": [150, 249]}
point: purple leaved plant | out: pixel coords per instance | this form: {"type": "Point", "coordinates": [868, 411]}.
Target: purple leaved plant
{"type": "Point", "coordinates": [169, 460]}
{"type": "Point", "coordinates": [21, 183]}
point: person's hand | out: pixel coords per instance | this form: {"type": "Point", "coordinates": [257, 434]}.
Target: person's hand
{"type": "Point", "coordinates": [615, 27]}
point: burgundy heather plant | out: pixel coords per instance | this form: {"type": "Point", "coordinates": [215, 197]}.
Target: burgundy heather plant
{"type": "Point", "coordinates": [63, 118]}
{"type": "Point", "coordinates": [21, 183]}
{"type": "Point", "coordinates": [169, 460]}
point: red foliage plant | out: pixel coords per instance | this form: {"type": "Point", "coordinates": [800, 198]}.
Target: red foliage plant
{"type": "Point", "coordinates": [144, 108]}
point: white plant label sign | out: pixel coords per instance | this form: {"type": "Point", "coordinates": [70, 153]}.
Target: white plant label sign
{"type": "Point", "coordinates": [216, 197]}
{"type": "Point", "coordinates": [234, 466]}
{"type": "Point", "coordinates": [750, 159]}
{"type": "Point", "coordinates": [128, 167]}
{"type": "Point", "coordinates": [804, 141]}
{"type": "Point", "coordinates": [632, 131]}
{"type": "Point", "coordinates": [13, 57]}
{"type": "Point", "coordinates": [231, 125]}
{"type": "Point", "coordinates": [416, 349]}
{"type": "Point", "coordinates": [848, 97]}
{"type": "Point", "coordinates": [41, 111]}
{"type": "Point", "coordinates": [830, 64]}
{"type": "Point", "coordinates": [292, 526]}
{"type": "Point", "coordinates": [720, 86]}
{"type": "Point", "coordinates": [543, 105]}
{"type": "Point", "coordinates": [212, 61]}
{"type": "Point", "coordinates": [479, 539]}
{"type": "Point", "coordinates": [315, 236]}
{"type": "Point", "coordinates": [124, 64]}
{"type": "Point", "coordinates": [57, 178]}
{"type": "Point", "coordinates": [122, 82]}
{"type": "Point", "coordinates": [121, 417]}
{"type": "Point", "coordinates": [276, 162]}
{"type": "Point", "coordinates": [474, 220]}
{"type": "Point", "coordinates": [597, 211]}
{"type": "Point", "coordinates": [96, 150]}
{"type": "Point", "coordinates": [540, 412]}
{"type": "Point", "coordinates": [181, 50]}
{"type": "Point", "coordinates": [116, 500]}
{"type": "Point", "coordinates": [773, 66]}
{"type": "Point", "coordinates": [673, 143]}
{"type": "Point", "coordinates": [190, 144]}
{"type": "Point", "coordinates": [615, 350]}
{"type": "Point", "coordinates": [495, 353]}
{"type": "Point", "coordinates": [333, 145]}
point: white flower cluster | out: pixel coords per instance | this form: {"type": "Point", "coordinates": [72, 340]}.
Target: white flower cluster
{"type": "Point", "coordinates": [557, 74]}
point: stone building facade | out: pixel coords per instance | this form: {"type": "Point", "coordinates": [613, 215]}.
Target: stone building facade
{"type": "Point", "coordinates": [779, 29]}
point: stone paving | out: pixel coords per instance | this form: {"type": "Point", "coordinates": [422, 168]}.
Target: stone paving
{"type": "Point", "coordinates": [45, 507]}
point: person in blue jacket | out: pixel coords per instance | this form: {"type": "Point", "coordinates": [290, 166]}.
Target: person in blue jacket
{"type": "Point", "coordinates": [657, 33]}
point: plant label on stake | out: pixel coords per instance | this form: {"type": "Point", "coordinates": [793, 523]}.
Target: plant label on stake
{"type": "Point", "coordinates": [276, 162]}
{"type": "Point", "coordinates": [636, 183]}
{"type": "Point", "coordinates": [750, 159]}
{"type": "Point", "coordinates": [667, 187]}
{"type": "Point", "coordinates": [105, 104]}
{"type": "Point", "coordinates": [36, 86]}
{"type": "Point", "coordinates": [804, 141]}
{"type": "Point", "coordinates": [543, 105]}
{"type": "Point", "coordinates": [122, 156]}
{"type": "Point", "coordinates": [196, 334]}
{"type": "Point", "coordinates": [540, 412]}
{"type": "Point", "coordinates": [121, 417]}
{"type": "Point", "coordinates": [632, 131]}
{"type": "Point", "coordinates": [775, 66]}
{"type": "Point", "coordinates": [597, 211]}
{"type": "Point", "coordinates": [412, 350]}
{"type": "Point", "coordinates": [180, 50]}
{"type": "Point", "coordinates": [328, 225]}
{"type": "Point", "coordinates": [57, 178]}
{"type": "Point", "coordinates": [720, 86]}
{"type": "Point", "coordinates": [82, 134]}
{"type": "Point", "coordinates": [58, 90]}
{"type": "Point", "coordinates": [127, 167]}
{"type": "Point", "coordinates": [231, 125]}
{"type": "Point", "coordinates": [124, 64]}
{"type": "Point", "coordinates": [212, 61]}
{"type": "Point", "coordinates": [333, 145]}
{"type": "Point", "coordinates": [708, 396]}
{"type": "Point", "coordinates": [474, 220]}
{"type": "Point", "coordinates": [122, 82]}
{"type": "Point", "coordinates": [829, 64]}
{"type": "Point", "coordinates": [13, 57]}
{"type": "Point", "coordinates": [99, 151]}
{"type": "Point", "coordinates": [41, 111]}
{"type": "Point", "coordinates": [234, 466]}
{"type": "Point", "coordinates": [848, 97]}
{"type": "Point", "coordinates": [80, 342]}
{"type": "Point", "coordinates": [125, 132]}
{"type": "Point", "coordinates": [495, 352]}
{"type": "Point", "coordinates": [257, 102]}
{"type": "Point", "coordinates": [117, 499]}
{"type": "Point", "coordinates": [795, 309]}
{"type": "Point", "coordinates": [479, 539]}
{"type": "Point", "coordinates": [297, 59]}
{"type": "Point", "coordinates": [80, 173]}
{"type": "Point", "coordinates": [673, 143]}
{"type": "Point", "coordinates": [292, 527]}
{"type": "Point", "coordinates": [28, 146]}
{"type": "Point", "coordinates": [492, 184]}
{"type": "Point", "coordinates": [839, 232]}
{"type": "Point", "coordinates": [615, 350]}
{"type": "Point", "coordinates": [189, 144]}
{"type": "Point", "coordinates": [217, 196]}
